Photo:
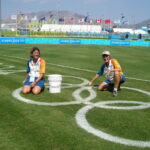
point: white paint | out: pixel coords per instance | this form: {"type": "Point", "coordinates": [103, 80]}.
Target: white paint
{"type": "Point", "coordinates": [10, 72]}
{"type": "Point", "coordinates": [78, 100]}
{"type": "Point", "coordinates": [105, 105]}
{"type": "Point", "coordinates": [138, 90]}
{"type": "Point", "coordinates": [82, 121]}
{"type": "Point", "coordinates": [75, 68]}
{"type": "Point", "coordinates": [16, 94]}
{"type": "Point", "coordinates": [138, 79]}
{"type": "Point", "coordinates": [6, 69]}
{"type": "Point", "coordinates": [76, 94]}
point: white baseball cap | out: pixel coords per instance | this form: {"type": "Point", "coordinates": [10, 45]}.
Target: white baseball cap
{"type": "Point", "coordinates": [106, 53]}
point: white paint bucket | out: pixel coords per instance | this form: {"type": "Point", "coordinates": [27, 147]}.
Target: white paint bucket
{"type": "Point", "coordinates": [54, 83]}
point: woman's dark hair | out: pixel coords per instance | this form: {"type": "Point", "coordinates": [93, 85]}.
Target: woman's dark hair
{"type": "Point", "coordinates": [34, 49]}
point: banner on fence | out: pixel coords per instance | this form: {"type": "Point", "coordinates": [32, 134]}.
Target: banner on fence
{"type": "Point", "coordinates": [71, 41]}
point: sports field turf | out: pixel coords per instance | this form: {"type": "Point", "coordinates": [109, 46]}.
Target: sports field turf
{"type": "Point", "coordinates": [27, 126]}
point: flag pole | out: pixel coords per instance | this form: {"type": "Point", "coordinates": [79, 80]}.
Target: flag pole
{"type": "Point", "coordinates": [0, 19]}
{"type": "Point", "coordinates": [16, 23]}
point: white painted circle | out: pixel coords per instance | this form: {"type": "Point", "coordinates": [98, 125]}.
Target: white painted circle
{"type": "Point", "coordinates": [76, 95]}
{"type": "Point", "coordinates": [141, 105]}
{"type": "Point", "coordinates": [17, 95]}
{"type": "Point", "coordinates": [69, 85]}
{"type": "Point", "coordinates": [83, 123]}
{"type": "Point", "coordinates": [105, 105]}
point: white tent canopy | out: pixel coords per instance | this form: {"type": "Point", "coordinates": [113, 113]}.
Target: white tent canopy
{"type": "Point", "coordinates": [71, 28]}
{"type": "Point", "coordinates": [128, 30]}
{"type": "Point", "coordinates": [123, 30]}
{"type": "Point", "coordinates": [139, 31]}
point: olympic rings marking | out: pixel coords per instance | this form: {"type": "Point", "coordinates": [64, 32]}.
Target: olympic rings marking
{"type": "Point", "coordinates": [76, 94]}
{"type": "Point", "coordinates": [83, 123]}
{"type": "Point", "coordinates": [81, 114]}
{"type": "Point", "coordinates": [78, 99]}
{"type": "Point", "coordinates": [106, 106]}
{"type": "Point", "coordinates": [143, 105]}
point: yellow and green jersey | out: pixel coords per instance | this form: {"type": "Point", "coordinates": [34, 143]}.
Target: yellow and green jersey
{"type": "Point", "coordinates": [113, 64]}
{"type": "Point", "coordinates": [35, 69]}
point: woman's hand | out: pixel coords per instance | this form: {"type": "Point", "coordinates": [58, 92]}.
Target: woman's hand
{"type": "Point", "coordinates": [107, 73]}
{"type": "Point", "coordinates": [33, 84]}
{"type": "Point", "coordinates": [90, 83]}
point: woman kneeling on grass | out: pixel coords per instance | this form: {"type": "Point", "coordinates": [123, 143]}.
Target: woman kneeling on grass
{"type": "Point", "coordinates": [34, 81]}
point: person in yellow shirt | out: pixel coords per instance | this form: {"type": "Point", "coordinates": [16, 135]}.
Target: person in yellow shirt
{"type": "Point", "coordinates": [34, 81]}
{"type": "Point", "coordinates": [113, 72]}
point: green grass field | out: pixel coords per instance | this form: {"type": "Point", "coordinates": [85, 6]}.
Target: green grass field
{"type": "Point", "coordinates": [25, 126]}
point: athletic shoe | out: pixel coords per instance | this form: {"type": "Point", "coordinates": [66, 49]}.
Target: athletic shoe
{"type": "Point", "coordinates": [114, 93]}
{"type": "Point", "coordinates": [95, 86]}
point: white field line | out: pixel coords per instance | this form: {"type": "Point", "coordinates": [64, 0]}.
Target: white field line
{"type": "Point", "coordinates": [83, 123]}
{"type": "Point", "coordinates": [81, 69]}
{"type": "Point", "coordinates": [2, 72]}
{"type": "Point", "coordinates": [5, 69]}
{"type": "Point", "coordinates": [76, 95]}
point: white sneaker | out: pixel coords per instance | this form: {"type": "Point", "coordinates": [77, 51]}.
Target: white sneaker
{"type": "Point", "coordinates": [114, 93]}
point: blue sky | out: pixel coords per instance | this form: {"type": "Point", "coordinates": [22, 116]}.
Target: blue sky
{"type": "Point", "coordinates": [133, 10]}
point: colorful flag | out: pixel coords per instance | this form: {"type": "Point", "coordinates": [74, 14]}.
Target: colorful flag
{"type": "Point", "coordinates": [50, 19]}
{"type": "Point", "coordinates": [115, 21]}
{"type": "Point", "coordinates": [125, 22]}
{"type": "Point", "coordinates": [51, 16]}
{"type": "Point", "coordinates": [20, 18]}
{"type": "Point", "coordinates": [121, 19]}
{"type": "Point", "coordinates": [86, 19]}
{"type": "Point", "coordinates": [61, 20]}
{"type": "Point", "coordinates": [98, 20]}
{"type": "Point", "coordinates": [13, 17]}
{"type": "Point", "coordinates": [90, 21]}
{"type": "Point", "coordinates": [107, 21]}
{"type": "Point", "coordinates": [25, 17]}
{"type": "Point", "coordinates": [81, 20]}
{"type": "Point", "coordinates": [42, 19]}
{"type": "Point", "coordinates": [34, 18]}
{"type": "Point", "coordinates": [122, 16]}
{"type": "Point", "coordinates": [71, 20]}
{"type": "Point", "coordinates": [119, 22]}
